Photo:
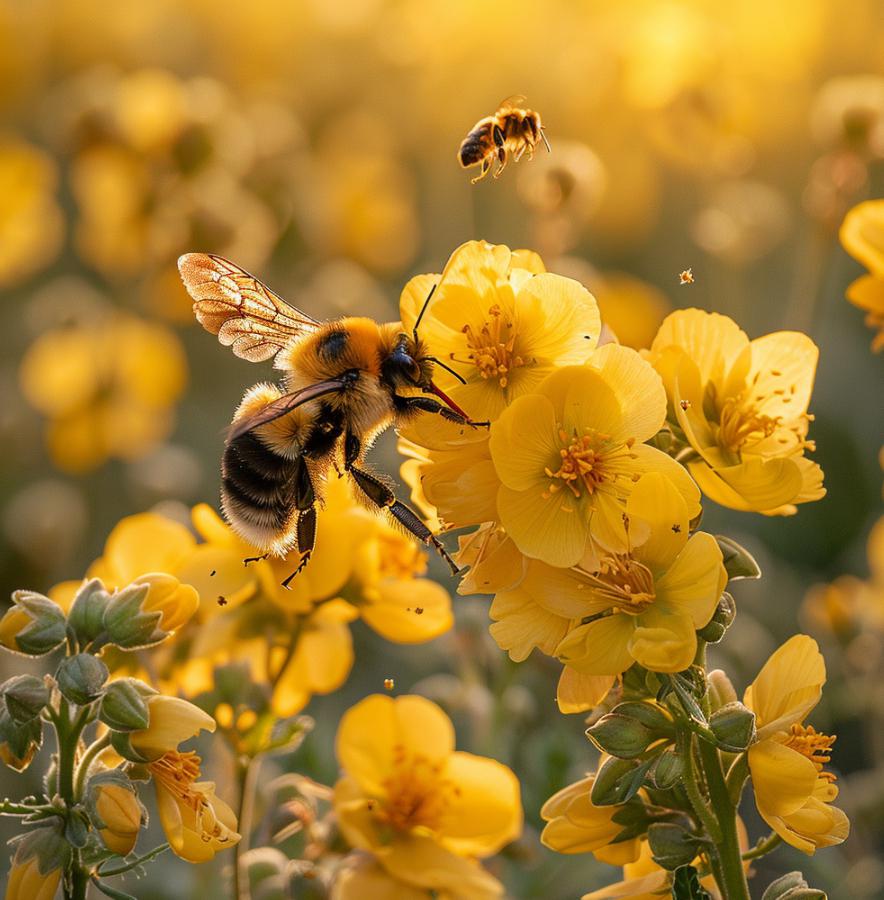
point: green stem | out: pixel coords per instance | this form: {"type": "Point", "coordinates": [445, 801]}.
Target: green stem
{"type": "Point", "coordinates": [10, 808]}
{"type": "Point", "coordinates": [247, 772]}
{"type": "Point", "coordinates": [79, 881]}
{"type": "Point", "coordinates": [83, 769]}
{"type": "Point", "coordinates": [121, 870]}
{"type": "Point", "coordinates": [733, 877]}
{"type": "Point", "coordinates": [764, 846]}
{"type": "Point", "coordinates": [685, 749]}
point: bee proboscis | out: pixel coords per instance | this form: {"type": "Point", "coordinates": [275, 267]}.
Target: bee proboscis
{"type": "Point", "coordinates": [512, 129]}
{"type": "Point", "coordinates": [345, 381]}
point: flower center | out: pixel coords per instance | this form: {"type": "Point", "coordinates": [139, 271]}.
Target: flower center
{"type": "Point", "coordinates": [817, 747]}
{"type": "Point", "coordinates": [491, 348]}
{"type": "Point", "coordinates": [417, 793]}
{"type": "Point", "coordinates": [399, 557]}
{"type": "Point", "coordinates": [587, 462]}
{"type": "Point", "coordinates": [740, 423]}
{"type": "Point", "coordinates": [625, 583]}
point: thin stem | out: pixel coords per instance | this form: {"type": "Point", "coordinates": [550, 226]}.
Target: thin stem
{"type": "Point", "coordinates": [67, 733]}
{"type": "Point", "coordinates": [121, 870]}
{"type": "Point", "coordinates": [83, 769]}
{"type": "Point", "coordinates": [79, 881]}
{"type": "Point", "coordinates": [685, 747]}
{"type": "Point", "coordinates": [733, 876]}
{"type": "Point", "coordinates": [247, 772]}
{"type": "Point", "coordinates": [764, 846]}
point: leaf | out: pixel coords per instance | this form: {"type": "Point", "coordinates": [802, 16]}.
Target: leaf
{"type": "Point", "coordinates": [738, 561]}
{"type": "Point", "coordinates": [686, 885]}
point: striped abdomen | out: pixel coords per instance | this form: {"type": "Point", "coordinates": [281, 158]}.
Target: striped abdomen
{"type": "Point", "coordinates": [476, 145]}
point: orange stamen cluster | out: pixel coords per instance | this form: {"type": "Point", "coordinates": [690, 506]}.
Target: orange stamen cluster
{"type": "Point", "coordinates": [817, 747]}
{"type": "Point", "coordinates": [492, 348]}
{"type": "Point", "coordinates": [625, 583]}
{"type": "Point", "coordinates": [417, 793]}
{"type": "Point", "coordinates": [588, 461]}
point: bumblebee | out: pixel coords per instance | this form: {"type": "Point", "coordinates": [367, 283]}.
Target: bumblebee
{"type": "Point", "coordinates": [344, 382]}
{"type": "Point", "coordinates": [512, 129]}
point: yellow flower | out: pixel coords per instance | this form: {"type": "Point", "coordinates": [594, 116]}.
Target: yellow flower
{"type": "Point", "coordinates": [121, 814]}
{"type": "Point", "coordinates": [107, 390]}
{"type": "Point", "coordinates": [417, 805]}
{"type": "Point", "coordinates": [196, 822]}
{"type": "Point", "coordinates": [574, 825]}
{"type": "Point", "coordinates": [630, 307]}
{"type": "Point", "coordinates": [171, 721]}
{"type": "Point", "coordinates": [501, 322]}
{"type": "Point", "coordinates": [28, 880]}
{"type": "Point", "coordinates": [862, 234]}
{"type": "Point", "coordinates": [646, 604]}
{"type": "Point", "coordinates": [569, 455]}
{"type": "Point", "coordinates": [742, 408]}
{"type": "Point", "coordinates": [31, 223]}
{"type": "Point", "coordinates": [793, 792]}
{"type": "Point", "coordinates": [175, 602]}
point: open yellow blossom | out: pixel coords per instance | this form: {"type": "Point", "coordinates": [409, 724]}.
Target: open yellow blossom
{"type": "Point", "coordinates": [646, 604]}
{"type": "Point", "coordinates": [196, 822]}
{"type": "Point", "coordinates": [501, 322]}
{"type": "Point", "coordinates": [171, 720]}
{"type": "Point", "coordinates": [107, 390]}
{"type": "Point", "coordinates": [575, 825]}
{"type": "Point", "coordinates": [422, 809]}
{"type": "Point", "coordinates": [742, 408]}
{"type": "Point", "coordinates": [569, 455]}
{"type": "Point", "coordinates": [862, 235]}
{"type": "Point", "coordinates": [793, 791]}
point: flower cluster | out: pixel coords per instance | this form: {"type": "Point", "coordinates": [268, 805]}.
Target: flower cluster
{"type": "Point", "coordinates": [110, 733]}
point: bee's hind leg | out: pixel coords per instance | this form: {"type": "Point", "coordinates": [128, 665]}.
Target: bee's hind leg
{"type": "Point", "coordinates": [502, 161]}
{"type": "Point", "coordinates": [251, 559]}
{"type": "Point", "coordinates": [486, 168]}
{"type": "Point", "coordinates": [382, 496]}
{"type": "Point", "coordinates": [305, 503]}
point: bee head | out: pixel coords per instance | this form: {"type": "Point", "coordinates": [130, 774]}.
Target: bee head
{"type": "Point", "coordinates": [407, 364]}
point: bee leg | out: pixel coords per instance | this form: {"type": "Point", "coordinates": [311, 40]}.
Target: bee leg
{"type": "Point", "coordinates": [519, 153]}
{"type": "Point", "coordinates": [305, 503]}
{"type": "Point", "coordinates": [502, 160]}
{"type": "Point", "coordinates": [486, 168]}
{"type": "Point", "coordinates": [498, 135]}
{"type": "Point", "coordinates": [251, 559]}
{"type": "Point", "coordinates": [352, 449]}
{"type": "Point", "coordinates": [428, 404]}
{"type": "Point", "coordinates": [382, 495]}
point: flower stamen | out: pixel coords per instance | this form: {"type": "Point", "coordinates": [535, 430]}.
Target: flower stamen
{"type": "Point", "coordinates": [814, 745]}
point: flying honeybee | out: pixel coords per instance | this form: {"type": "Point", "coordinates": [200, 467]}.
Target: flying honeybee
{"type": "Point", "coordinates": [344, 382]}
{"type": "Point", "coordinates": [512, 129]}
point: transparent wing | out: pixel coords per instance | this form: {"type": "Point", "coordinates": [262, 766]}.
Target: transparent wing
{"type": "Point", "coordinates": [283, 405]}
{"type": "Point", "coordinates": [246, 315]}
{"type": "Point", "coordinates": [516, 101]}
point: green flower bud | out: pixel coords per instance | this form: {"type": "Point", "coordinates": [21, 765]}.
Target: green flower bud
{"type": "Point", "coordinates": [26, 696]}
{"type": "Point", "coordinates": [124, 705]}
{"type": "Point", "coordinates": [18, 742]}
{"type": "Point", "coordinates": [792, 887]}
{"type": "Point", "coordinates": [81, 678]}
{"type": "Point", "coordinates": [33, 625]}
{"type": "Point", "coordinates": [721, 691]}
{"type": "Point", "coordinates": [41, 855]}
{"type": "Point", "coordinates": [738, 561]}
{"type": "Point", "coordinates": [671, 845]}
{"type": "Point", "coordinates": [622, 736]}
{"type": "Point", "coordinates": [733, 726]}
{"type": "Point", "coordinates": [127, 624]}
{"type": "Point", "coordinates": [618, 780]}
{"type": "Point", "coordinates": [87, 611]}
{"type": "Point", "coordinates": [667, 770]}
{"type": "Point", "coordinates": [721, 620]}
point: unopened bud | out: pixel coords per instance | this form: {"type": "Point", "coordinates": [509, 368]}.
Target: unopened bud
{"type": "Point", "coordinates": [33, 625]}
{"type": "Point", "coordinates": [115, 810]}
{"type": "Point", "coordinates": [124, 705]}
{"type": "Point", "coordinates": [721, 620]}
{"type": "Point", "coordinates": [621, 736]}
{"type": "Point", "coordinates": [667, 770]}
{"type": "Point", "coordinates": [617, 780]}
{"type": "Point", "coordinates": [733, 726]}
{"type": "Point", "coordinates": [81, 678]}
{"type": "Point", "coordinates": [721, 691]}
{"type": "Point", "coordinates": [26, 696]}
{"type": "Point", "coordinates": [671, 845]}
{"type": "Point", "coordinates": [148, 610]}
{"type": "Point", "coordinates": [18, 742]}
{"type": "Point", "coordinates": [86, 617]}
{"type": "Point", "coordinates": [792, 887]}
{"type": "Point", "coordinates": [41, 855]}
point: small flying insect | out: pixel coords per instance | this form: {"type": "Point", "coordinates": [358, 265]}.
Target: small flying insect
{"type": "Point", "coordinates": [344, 382]}
{"type": "Point", "coordinates": [512, 129]}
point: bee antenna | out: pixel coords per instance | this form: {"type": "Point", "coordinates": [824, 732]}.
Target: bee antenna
{"type": "Point", "coordinates": [423, 310]}
{"type": "Point", "coordinates": [439, 362]}
{"type": "Point", "coordinates": [545, 139]}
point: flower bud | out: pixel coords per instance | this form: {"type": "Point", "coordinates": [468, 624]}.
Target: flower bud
{"type": "Point", "coordinates": [148, 610]}
{"type": "Point", "coordinates": [124, 705]}
{"type": "Point", "coordinates": [617, 780]}
{"type": "Point", "coordinates": [81, 678]}
{"type": "Point", "coordinates": [115, 810]}
{"type": "Point", "coordinates": [733, 726]}
{"type": "Point", "coordinates": [18, 742]}
{"type": "Point", "coordinates": [738, 561]}
{"type": "Point", "coordinates": [667, 770]}
{"type": "Point", "coordinates": [792, 887]}
{"type": "Point", "coordinates": [621, 736]}
{"type": "Point", "coordinates": [86, 617]}
{"type": "Point", "coordinates": [721, 620]}
{"type": "Point", "coordinates": [721, 691]}
{"type": "Point", "coordinates": [33, 625]}
{"type": "Point", "coordinates": [41, 855]}
{"type": "Point", "coordinates": [671, 845]}
{"type": "Point", "coordinates": [25, 696]}
{"type": "Point", "coordinates": [171, 720]}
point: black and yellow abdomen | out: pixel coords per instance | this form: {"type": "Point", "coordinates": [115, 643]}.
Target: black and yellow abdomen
{"type": "Point", "coordinates": [477, 144]}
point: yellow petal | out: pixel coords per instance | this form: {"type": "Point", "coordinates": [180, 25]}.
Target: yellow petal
{"type": "Point", "coordinates": [782, 373]}
{"type": "Point", "coordinates": [409, 611]}
{"type": "Point", "coordinates": [364, 879]}
{"type": "Point", "coordinates": [563, 592]}
{"type": "Point", "coordinates": [600, 647]}
{"type": "Point", "coordinates": [211, 527]}
{"type": "Point", "coordinates": [695, 581]}
{"type": "Point", "coordinates": [521, 624]}
{"type": "Point", "coordinates": [486, 811]}
{"type": "Point", "coordinates": [862, 234]}
{"type": "Point", "coordinates": [649, 459]}
{"type": "Point", "coordinates": [868, 293]}
{"type": "Point", "coordinates": [755, 485]}
{"type": "Point", "coordinates": [788, 686]}
{"type": "Point", "coordinates": [656, 503]}
{"type": "Point", "coordinates": [782, 778]}
{"type": "Point", "coordinates": [524, 442]}
{"type": "Point", "coordinates": [371, 731]}
{"type": "Point", "coordinates": [663, 642]}
{"type": "Point", "coordinates": [412, 299]}
{"type": "Point", "coordinates": [578, 693]}
{"type": "Point", "coordinates": [171, 721]}
{"type": "Point", "coordinates": [217, 573]}
{"type": "Point", "coordinates": [146, 543]}
{"type": "Point", "coordinates": [647, 887]}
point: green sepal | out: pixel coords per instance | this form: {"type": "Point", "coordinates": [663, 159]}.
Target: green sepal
{"type": "Point", "coordinates": [86, 617]}
{"type": "Point", "coordinates": [81, 678]}
{"type": "Point", "coordinates": [26, 697]}
{"type": "Point", "coordinates": [45, 842]}
{"type": "Point", "coordinates": [18, 742]}
{"type": "Point", "coordinates": [667, 770]}
{"type": "Point", "coordinates": [733, 726]}
{"type": "Point", "coordinates": [738, 561]}
{"type": "Point", "coordinates": [686, 885]}
{"type": "Point", "coordinates": [126, 623]}
{"type": "Point", "coordinates": [619, 780]}
{"type": "Point", "coordinates": [722, 619]}
{"type": "Point", "coordinates": [124, 705]}
{"type": "Point", "coordinates": [47, 629]}
{"type": "Point", "coordinates": [672, 845]}
{"type": "Point", "coordinates": [792, 887]}
{"type": "Point", "coordinates": [76, 831]}
{"type": "Point", "coordinates": [122, 743]}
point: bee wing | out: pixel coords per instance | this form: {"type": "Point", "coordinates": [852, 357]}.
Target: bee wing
{"type": "Point", "coordinates": [285, 404]}
{"type": "Point", "coordinates": [512, 102]}
{"type": "Point", "coordinates": [246, 315]}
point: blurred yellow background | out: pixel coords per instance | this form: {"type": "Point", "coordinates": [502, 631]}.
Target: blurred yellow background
{"type": "Point", "coordinates": [315, 143]}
